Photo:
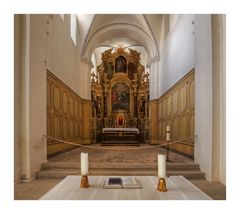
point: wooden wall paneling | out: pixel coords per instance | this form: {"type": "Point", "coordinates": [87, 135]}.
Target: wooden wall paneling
{"type": "Point", "coordinates": [56, 98]}
{"type": "Point", "coordinates": [76, 128]}
{"type": "Point", "coordinates": [65, 102]}
{"type": "Point", "coordinates": [76, 108]}
{"type": "Point", "coordinates": [153, 125]}
{"type": "Point", "coordinates": [169, 105]}
{"type": "Point", "coordinates": [57, 127]}
{"type": "Point", "coordinates": [176, 108]}
{"type": "Point", "coordinates": [71, 128]}
{"type": "Point", "coordinates": [175, 104]}
{"type": "Point", "coordinates": [86, 123]}
{"type": "Point", "coordinates": [49, 126]}
{"type": "Point", "coordinates": [49, 104]}
{"type": "Point", "coordinates": [63, 115]}
{"type": "Point", "coordinates": [80, 118]}
{"type": "Point", "coordinates": [183, 98]}
{"type": "Point", "coordinates": [71, 106]}
{"type": "Point", "coordinates": [192, 94]}
{"type": "Point", "coordinates": [65, 128]}
{"type": "Point", "coordinates": [174, 127]}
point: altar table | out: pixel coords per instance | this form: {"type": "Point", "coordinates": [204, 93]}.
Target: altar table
{"type": "Point", "coordinates": [120, 134]}
{"type": "Point", "coordinates": [179, 188]}
{"type": "Point", "coordinates": [126, 130]}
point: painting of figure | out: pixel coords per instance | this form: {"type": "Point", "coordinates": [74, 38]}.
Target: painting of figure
{"type": "Point", "coordinates": [120, 64]}
{"type": "Point", "coordinates": [120, 97]}
{"type": "Point", "coordinates": [110, 68]}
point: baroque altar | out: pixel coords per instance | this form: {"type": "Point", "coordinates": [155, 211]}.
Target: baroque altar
{"type": "Point", "coordinates": [120, 93]}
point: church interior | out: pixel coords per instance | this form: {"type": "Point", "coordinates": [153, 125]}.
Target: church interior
{"type": "Point", "coordinates": [127, 90]}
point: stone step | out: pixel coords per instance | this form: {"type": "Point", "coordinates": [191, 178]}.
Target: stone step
{"type": "Point", "coordinates": [102, 166]}
{"type": "Point", "coordinates": [122, 144]}
{"type": "Point", "coordinates": [61, 173]}
{"type": "Point", "coordinates": [56, 173]}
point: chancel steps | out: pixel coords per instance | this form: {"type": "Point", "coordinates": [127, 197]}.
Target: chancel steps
{"type": "Point", "coordinates": [63, 169]}
{"type": "Point", "coordinates": [120, 143]}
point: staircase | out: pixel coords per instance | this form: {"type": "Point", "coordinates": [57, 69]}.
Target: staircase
{"type": "Point", "coordinates": [63, 169]}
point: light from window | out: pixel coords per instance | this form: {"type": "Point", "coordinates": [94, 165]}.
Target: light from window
{"type": "Point", "coordinates": [74, 28]}
{"type": "Point", "coordinates": [62, 16]}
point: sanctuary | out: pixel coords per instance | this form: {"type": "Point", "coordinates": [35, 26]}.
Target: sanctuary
{"type": "Point", "coordinates": [120, 96]}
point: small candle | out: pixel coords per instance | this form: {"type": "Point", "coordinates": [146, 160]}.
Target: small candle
{"type": "Point", "coordinates": [84, 163]}
{"type": "Point", "coordinates": [161, 166]}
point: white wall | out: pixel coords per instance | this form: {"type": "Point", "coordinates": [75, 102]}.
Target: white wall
{"type": "Point", "coordinates": [18, 38]}
{"type": "Point", "coordinates": [219, 98]}
{"type": "Point", "coordinates": [188, 45]}
{"type": "Point", "coordinates": [47, 44]}
{"type": "Point", "coordinates": [153, 81]}
{"type": "Point", "coordinates": [223, 146]}
{"type": "Point", "coordinates": [177, 55]}
{"type": "Point", "coordinates": [203, 93]}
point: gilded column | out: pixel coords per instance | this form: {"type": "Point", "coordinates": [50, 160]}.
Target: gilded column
{"type": "Point", "coordinates": [135, 106]}
{"type": "Point", "coordinates": [105, 104]}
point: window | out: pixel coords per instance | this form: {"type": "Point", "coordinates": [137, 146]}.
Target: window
{"type": "Point", "coordinates": [74, 28]}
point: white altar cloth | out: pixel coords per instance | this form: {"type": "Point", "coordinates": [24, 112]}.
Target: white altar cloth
{"type": "Point", "coordinates": [136, 130]}
{"type": "Point", "coordinates": [179, 188]}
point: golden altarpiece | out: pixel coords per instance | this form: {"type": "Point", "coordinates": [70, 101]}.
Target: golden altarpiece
{"type": "Point", "coordinates": [120, 93]}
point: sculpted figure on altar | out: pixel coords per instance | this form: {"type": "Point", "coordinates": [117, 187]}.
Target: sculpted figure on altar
{"type": "Point", "coordinates": [109, 69]}
{"type": "Point", "coordinates": [141, 110]}
{"type": "Point", "coordinates": [98, 106]}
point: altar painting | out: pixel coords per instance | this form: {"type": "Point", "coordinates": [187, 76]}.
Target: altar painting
{"type": "Point", "coordinates": [120, 97]}
{"type": "Point", "coordinates": [120, 64]}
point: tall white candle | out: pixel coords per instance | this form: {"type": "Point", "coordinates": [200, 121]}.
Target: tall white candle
{"type": "Point", "coordinates": [168, 133]}
{"type": "Point", "coordinates": [162, 166]}
{"type": "Point", "coordinates": [168, 136]}
{"type": "Point", "coordinates": [168, 128]}
{"type": "Point", "coordinates": [84, 163]}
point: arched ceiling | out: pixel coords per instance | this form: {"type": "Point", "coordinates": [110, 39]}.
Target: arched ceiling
{"type": "Point", "coordinates": [108, 30]}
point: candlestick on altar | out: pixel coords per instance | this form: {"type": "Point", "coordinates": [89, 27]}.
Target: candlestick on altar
{"type": "Point", "coordinates": [84, 170]}
{"type": "Point", "coordinates": [161, 173]}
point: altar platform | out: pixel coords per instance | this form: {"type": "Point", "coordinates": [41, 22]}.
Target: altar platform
{"type": "Point", "coordinates": [120, 136]}
{"type": "Point", "coordinates": [179, 188]}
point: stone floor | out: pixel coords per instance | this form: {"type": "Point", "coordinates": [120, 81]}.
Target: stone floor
{"type": "Point", "coordinates": [215, 190]}
{"type": "Point", "coordinates": [35, 189]}
{"type": "Point", "coordinates": [120, 154]}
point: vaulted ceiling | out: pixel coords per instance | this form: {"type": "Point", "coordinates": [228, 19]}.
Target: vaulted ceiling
{"type": "Point", "coordinates": [108, 30]}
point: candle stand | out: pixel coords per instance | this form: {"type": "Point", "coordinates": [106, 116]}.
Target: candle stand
{"type": "Point", "coordinates": [168, 152]}
{"type": "Point", "coordinates": [162, 185]}
{"type": "Point", "coordinates": [84, 182]}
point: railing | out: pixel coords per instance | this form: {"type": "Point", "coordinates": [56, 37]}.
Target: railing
{"type": "Point", "coordinates": [142, 147]}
